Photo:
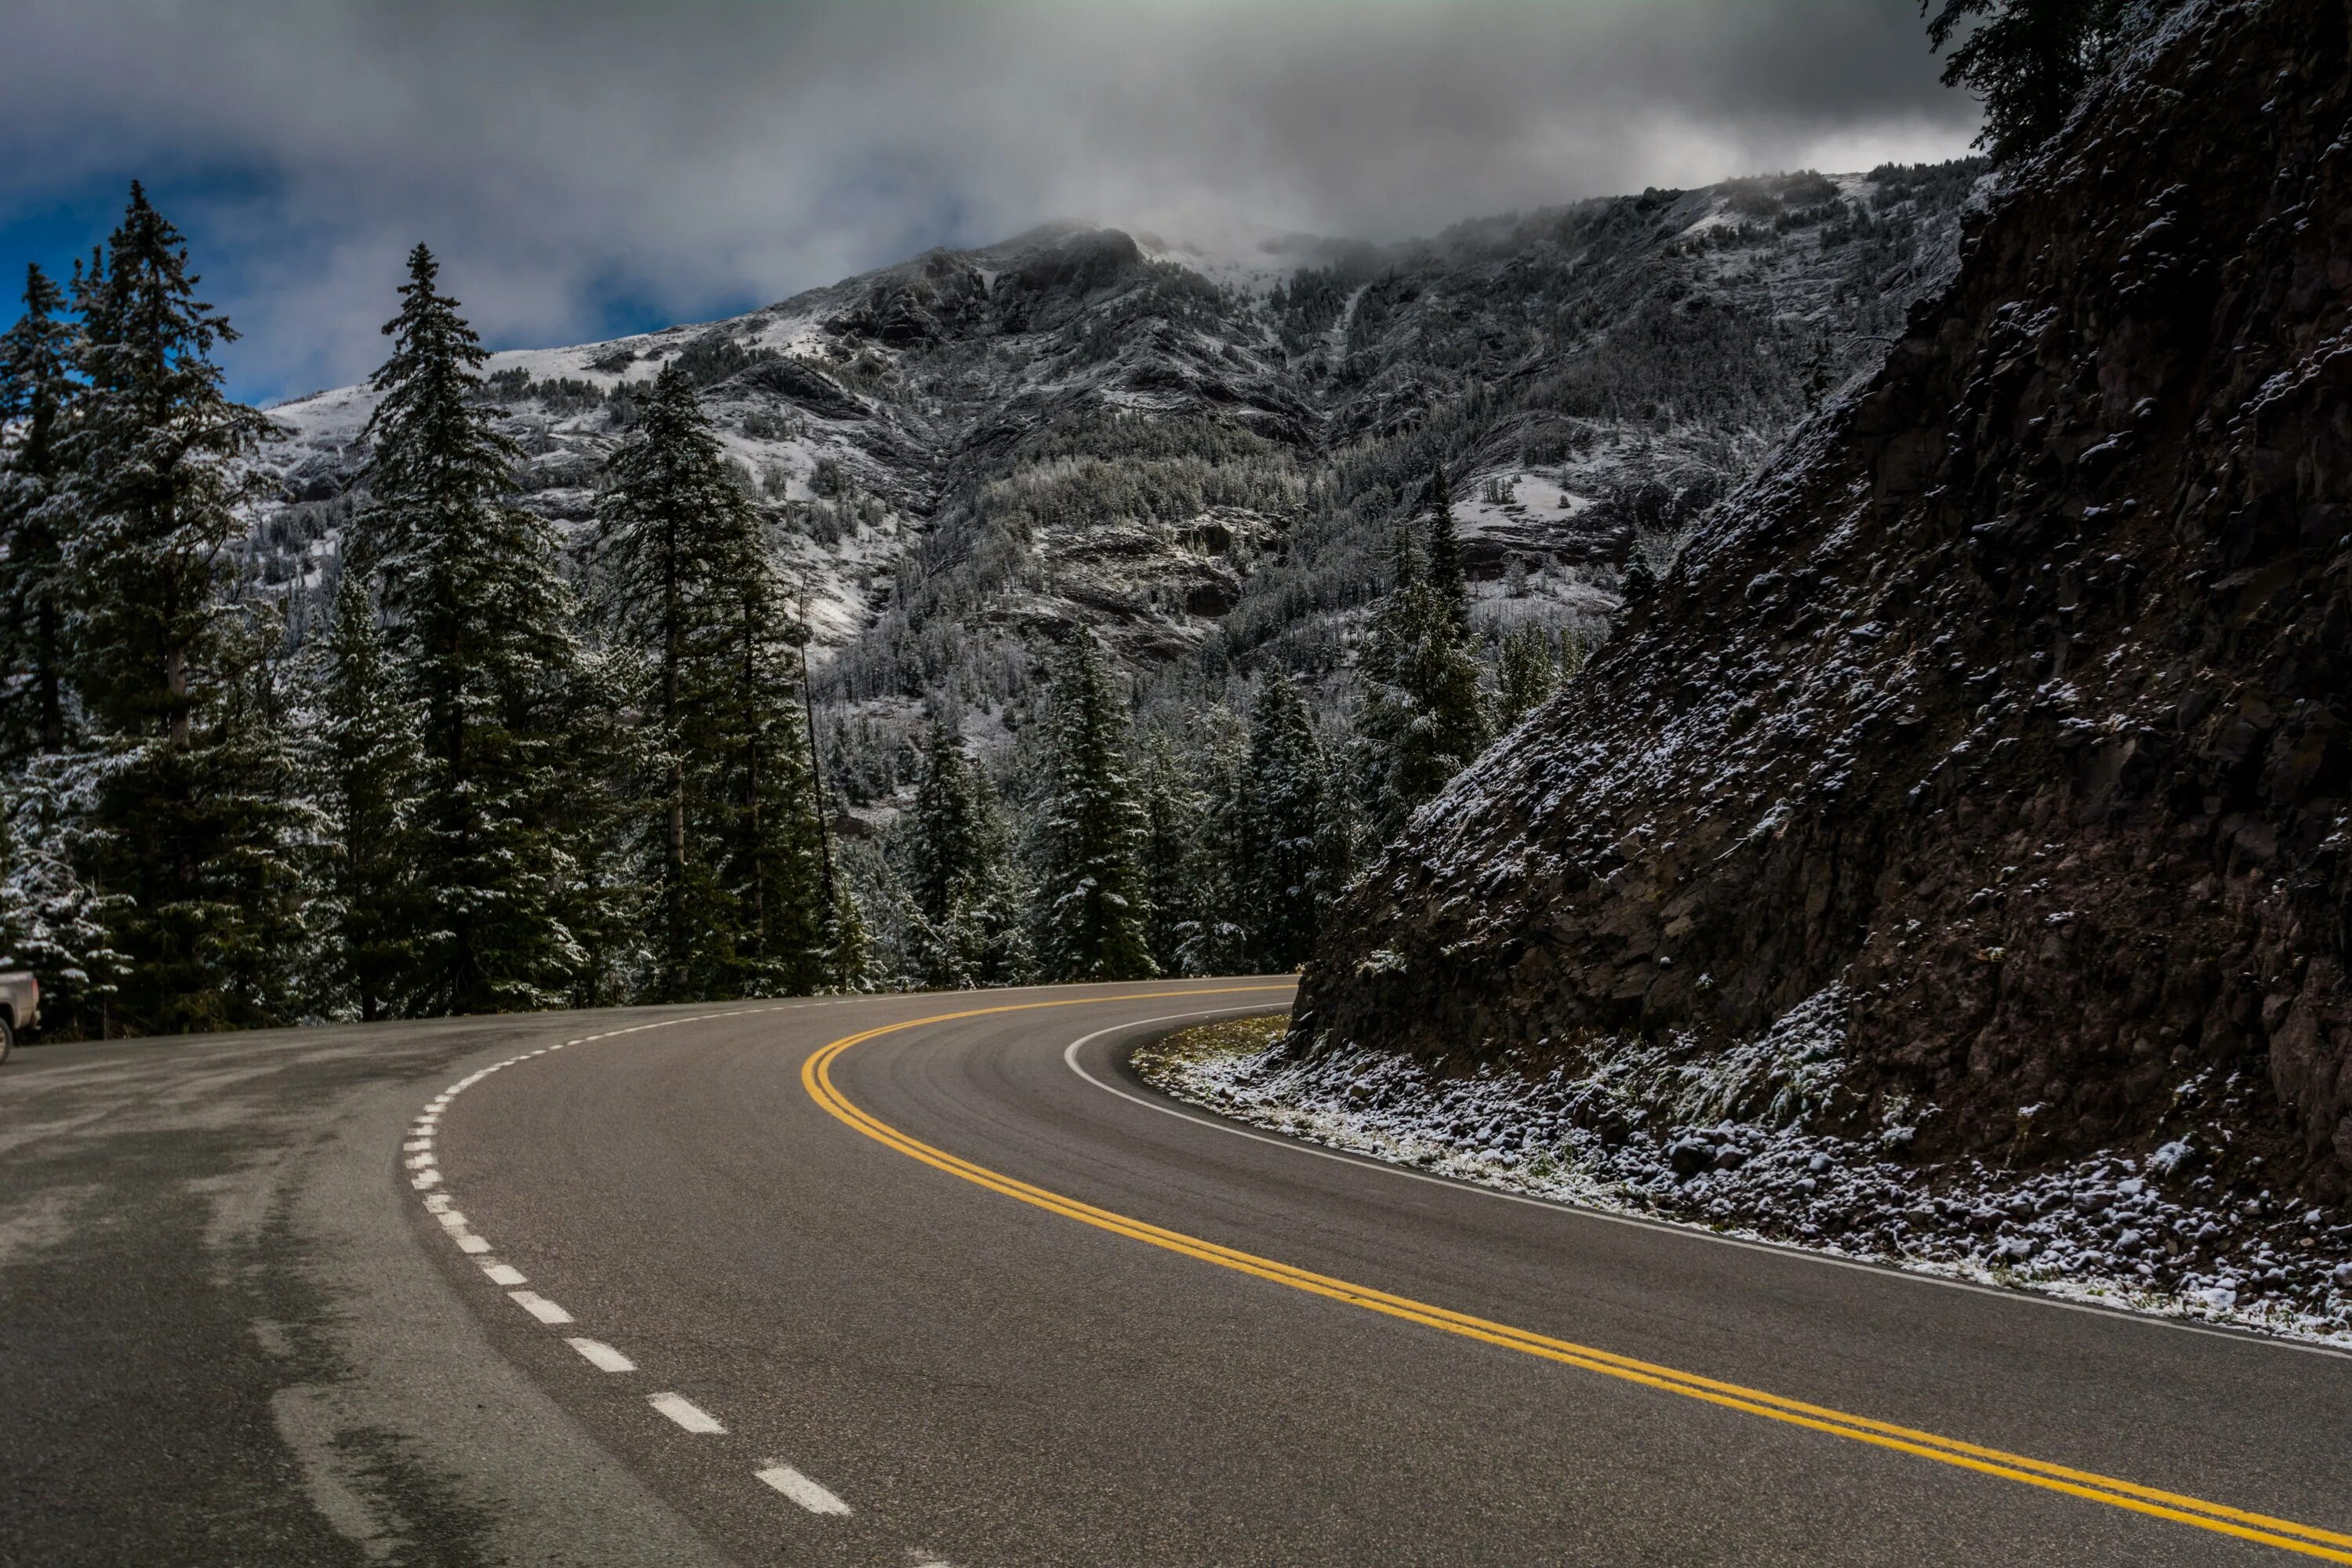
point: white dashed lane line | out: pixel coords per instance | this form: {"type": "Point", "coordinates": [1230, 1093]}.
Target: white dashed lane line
{"type": "Point", "coordinates": [602, 1356]}
{"type": "Point", "coordinates": [802, 1490]}
{"type": "Point", "coordinates": [424, 1170]}
{"type": "Point", "coordinates": [688, 1414]}
{"type": "Point", "coordinates": [540, 1307]}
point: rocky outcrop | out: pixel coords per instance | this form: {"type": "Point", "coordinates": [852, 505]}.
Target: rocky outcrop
{"type": "Point", "coordinates": [2012, 697]}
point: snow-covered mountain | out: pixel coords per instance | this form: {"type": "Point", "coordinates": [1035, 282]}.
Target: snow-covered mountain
{"type": "Point", "coordinates": [1201, 446]}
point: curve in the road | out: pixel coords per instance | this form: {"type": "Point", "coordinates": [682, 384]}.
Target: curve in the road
{"type": "Point", "coordinates": [2285, 1535]}
{"type": "Point", "coordinates": [422, 1163]}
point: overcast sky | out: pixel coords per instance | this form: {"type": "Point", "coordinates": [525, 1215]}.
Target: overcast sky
{"type": "Point", "coordinates": [598, 166]}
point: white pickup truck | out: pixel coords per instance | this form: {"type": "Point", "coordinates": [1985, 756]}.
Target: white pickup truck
{"type": "Point", "coordinates": [20, 1006]}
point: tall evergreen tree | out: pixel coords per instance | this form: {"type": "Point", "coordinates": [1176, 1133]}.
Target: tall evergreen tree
{"type": "Point", "coordinates": [792, 925]}
{"type": "Point", "coordinates": [603, 759]}
{"type": "Point", "coordinates": [479, 626]}
{"type": "Point", "coordinates": [1092, 900]}
{"type": "Point", "coordinates": [36, 397]}
{"type": "Point", "coordinates": [366, 766]}
{"type": "Point", "coordinates": [193, 820]}
{"type": "Point", "coordinates": [1287, 840]}
{"type": "Point", "coordinates": [1173, 847]}
{"type": "Point", "coordinates": [674, 538]}
{"type": "Point", "coordinates": [1421, 719]}
{"type": "Point", "coordinates": [945, 842]}
{"type": "Point", "coordinates": [1216, 920]}
{"type": "Point", "coordinates": [967, 905]}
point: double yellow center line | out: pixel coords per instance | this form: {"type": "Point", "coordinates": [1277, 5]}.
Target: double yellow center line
{"type": "Point", "coordinates": [2308, 1541]}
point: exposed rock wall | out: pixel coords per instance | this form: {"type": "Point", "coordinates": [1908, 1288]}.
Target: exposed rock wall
{"type": "Point", "coordinates": [2012, 695]}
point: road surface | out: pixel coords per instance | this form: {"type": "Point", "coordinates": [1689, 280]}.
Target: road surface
{"type": "Point", "coordinates": [933, 1280]}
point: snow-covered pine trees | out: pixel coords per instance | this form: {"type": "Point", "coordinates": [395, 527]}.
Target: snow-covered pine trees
{"type": "Point", "coordinates": [969, 902]}
{"type": "Point", "coordinates": [1091, 902]}
{"type": "Point", "coordinates": [479, 627]}
{"type": "Point", "coordinates": [51, 917]}
{"type": "Point", "coordinates": [366, 768]}
{"type": "Point", "coordinates": [1287, 861]}
{"type": "Point", "coordinates": [191, 819]}
{"type": "Point", "coordinates": [36, 395]}
{"type": "Point", "coordinates": [1422, 718]}
{"type": "Point", "coordinates": [1525, 675]}
{"type": "Point", "coordinates": [725, 832]}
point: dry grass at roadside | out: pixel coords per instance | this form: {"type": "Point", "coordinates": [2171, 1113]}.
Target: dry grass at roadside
{"type": "Point", "coordinates": [1164, 1058]}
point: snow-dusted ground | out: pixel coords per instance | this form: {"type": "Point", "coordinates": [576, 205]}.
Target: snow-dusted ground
{"type": "Point", "coordinates": [1723, 1143]}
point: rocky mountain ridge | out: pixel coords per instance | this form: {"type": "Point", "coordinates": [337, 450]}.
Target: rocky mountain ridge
{"type": "Point", "coordinates": [1200, 452]}
{"type": "Point", "coordinates": [2001, 722]}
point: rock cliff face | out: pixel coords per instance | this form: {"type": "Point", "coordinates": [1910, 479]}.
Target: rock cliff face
{"type": "Point", "coordinates": [2005, 710]}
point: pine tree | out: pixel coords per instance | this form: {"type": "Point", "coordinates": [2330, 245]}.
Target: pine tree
{"type": "Point", "coordinates": [1216, 927]}
{"type": "Point", "coordinates": [602, 756]}
{"type": "Point", "coordinates": [1287, 877]}
{"type": "Point", "coordinates": [265, 822]}
{"type": "Point", "coordinates": [1445, 578]}
{"type": "Point", "coordinates": [36, 397]}
{"type": "Point", "coordinates": [2028, 60]}
{"type": "Point", "coordinates": [479, 626]}
{"type": "Point", "coordinates": [1526, 674]}
{"type": "Point", "coordinates": [366, 766]}
{"type": "Point", "coordinates": [192, 812]}
{"type": "Point", "coordinates": [848, 946]}
{"type": "Point", "coordinates": [1421, 719]}
{"type": "Point", "coordinates": [1092, 902]}
{"type": "Point", "coordinates": [944, 842]}
{"type": "Point", "coordinates": [1640, 580]}
{"type": "Point", "coordinates": [53, 919]}
{"type": "Point", "coordinates": [674, 538]}
{"type": "Point", "coordinates": [968, 905]}
{"type": "Point", "coordinates": [786, 919]}
{"type": "Point", "coordinates": [1172, 850]}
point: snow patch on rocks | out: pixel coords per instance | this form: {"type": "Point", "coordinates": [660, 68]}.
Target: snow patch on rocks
{"type": "Point", "coordinates": [1724, 1142]}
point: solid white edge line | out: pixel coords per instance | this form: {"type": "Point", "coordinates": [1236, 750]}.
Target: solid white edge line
{"type": "Point", "coordinates": [602, 1356]}
{"type": "Point", "coordinates": [802, 1490]}
{"type": "Point", "coordinates": [1662, 1227]}
{"type": "Point", "coordinates": [687, 1414]}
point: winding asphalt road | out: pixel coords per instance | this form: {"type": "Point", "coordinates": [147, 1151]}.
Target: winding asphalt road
{"type": "Point", "coordinates": [933, 1280]}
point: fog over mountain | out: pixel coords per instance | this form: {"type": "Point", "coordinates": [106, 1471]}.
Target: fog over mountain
{"type": "Point", "coordinates": [590, 169]}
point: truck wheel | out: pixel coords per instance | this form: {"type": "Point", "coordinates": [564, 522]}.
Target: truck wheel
{"type": "Point", "coordinates": [8, 1036]}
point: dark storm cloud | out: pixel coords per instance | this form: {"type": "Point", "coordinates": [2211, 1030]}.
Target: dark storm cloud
{"type": "Point", "coordinates": [690, 157]}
